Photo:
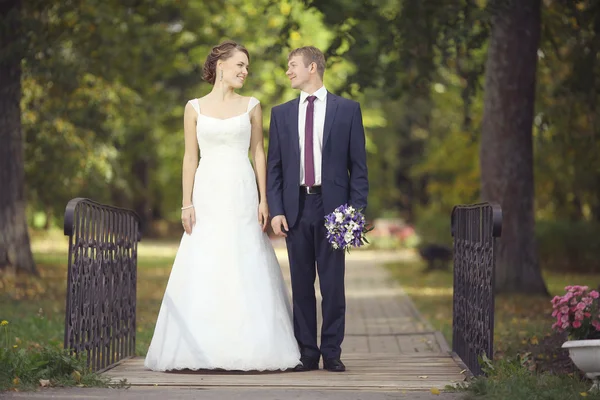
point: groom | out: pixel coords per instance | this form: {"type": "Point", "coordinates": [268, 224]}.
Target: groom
{"type": "Point", "coordinates": [316, 162]}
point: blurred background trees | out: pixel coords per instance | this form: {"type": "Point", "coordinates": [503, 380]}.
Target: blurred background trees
{"type": "Point", "coordinates": [104, 84]}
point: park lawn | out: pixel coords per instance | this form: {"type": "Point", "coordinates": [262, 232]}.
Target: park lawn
{"type": "Point", "coordinates": [35, 307]}
{"type": "Point", "coordinates": [528, 359]}
{"type": "Point", "coordinates": [520, 319]}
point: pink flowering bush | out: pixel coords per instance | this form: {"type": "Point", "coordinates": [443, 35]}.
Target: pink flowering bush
{"type": "Point", "coordinates": [577, 313]}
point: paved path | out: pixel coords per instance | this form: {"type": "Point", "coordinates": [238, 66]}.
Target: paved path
{"type": "Point", "coordinates": [389, 350]}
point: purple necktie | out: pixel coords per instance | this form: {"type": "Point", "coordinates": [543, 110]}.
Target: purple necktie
{"type": "Point", "coordinates": [309, 161]}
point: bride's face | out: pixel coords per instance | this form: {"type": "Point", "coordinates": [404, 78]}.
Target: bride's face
{"type": "Point", "coordinates": [235, 70]}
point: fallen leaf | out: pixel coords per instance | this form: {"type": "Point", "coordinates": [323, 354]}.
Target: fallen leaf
{"type": "Point", "coordinates": [77, 376]}
{"type": "Point", "coordinates": [423, 377]}
{"type": "Point", "coordinates": [16, 381]}
{"type": "Point", "coordinates": [435, 391]}
{"type": "Point", "coordinates": [583, 394]}
{"type": "Point", "coordinates": [44, 382]}
{"type": "Point", "coordinates": [534, 340]}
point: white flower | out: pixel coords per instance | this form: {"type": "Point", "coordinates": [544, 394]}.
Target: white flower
{"type": "Point", "coordinates": [348, 237]}
{"type": "Point", "coordinates": [350, 210]}
{"type": "Point", "coordinates": [339, 217]}
{"type": "Point", "coordinates": [335, 245]}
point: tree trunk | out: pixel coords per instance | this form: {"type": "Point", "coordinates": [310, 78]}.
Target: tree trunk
{"type": "Point", "coordinates": [506, 153]}
{"type": "Point", "coordinates": [15, 250]}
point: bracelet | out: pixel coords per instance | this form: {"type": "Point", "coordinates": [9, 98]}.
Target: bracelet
{"type": "Point", "coordinates": [185, 208]}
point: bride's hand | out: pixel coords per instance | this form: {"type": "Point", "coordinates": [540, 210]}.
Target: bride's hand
{"type": "Point", "coordinates": [188, 219]}
{"type": "Point", "coordinates": [263, 214]}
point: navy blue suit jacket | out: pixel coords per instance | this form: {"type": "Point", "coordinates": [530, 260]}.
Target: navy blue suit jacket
{"type": "Point", "coordinates": [344, 177]}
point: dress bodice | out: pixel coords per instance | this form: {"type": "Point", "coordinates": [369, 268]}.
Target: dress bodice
{"type": "Point", "coordinates": [220, 137]}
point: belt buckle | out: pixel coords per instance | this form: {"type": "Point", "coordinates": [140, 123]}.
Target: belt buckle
{"type": "Point", "coordinates": [311, 189]}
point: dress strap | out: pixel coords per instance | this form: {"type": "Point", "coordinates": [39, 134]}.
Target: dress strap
{"type": "Point", "coordinates": [252, 103]}
{"type": "Point", "coordinates": [196, 104]}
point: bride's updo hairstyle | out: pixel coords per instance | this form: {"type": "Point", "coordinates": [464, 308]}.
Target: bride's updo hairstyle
{"type": "Point", "coordinates": [221, 52]}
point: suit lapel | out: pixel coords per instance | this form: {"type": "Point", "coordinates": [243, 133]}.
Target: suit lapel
{"type": "Point", "coordinates": [329, 116]}
{"type": "Point", "coordinates": [293, 126]}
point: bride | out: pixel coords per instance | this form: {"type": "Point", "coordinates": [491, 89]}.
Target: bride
{"type": "Point", "coordinates": [226, 305]}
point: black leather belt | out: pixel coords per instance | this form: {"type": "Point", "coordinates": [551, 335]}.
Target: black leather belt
{"type": "Point", "coordinates": [310, 189]}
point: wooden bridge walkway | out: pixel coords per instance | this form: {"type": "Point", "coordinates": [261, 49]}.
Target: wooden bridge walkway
{"type": "Point", "coordinates": [388, 346]}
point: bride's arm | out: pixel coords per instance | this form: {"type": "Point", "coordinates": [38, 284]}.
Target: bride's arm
{"type": "Point", "coordinates": [258, 152]}
{"type": "Point", "coordinates": [190, 156]}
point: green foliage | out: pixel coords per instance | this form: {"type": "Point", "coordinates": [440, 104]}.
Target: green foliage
{"type": "Point", "coordinates": [566, 123]}
{"type": "Point", "coordinates": [41, 365]}
{"type": "Point", "coordinates": [429, 61]}
{"type": "Point", "coordinates": [563, 246]}
{"type": "Point", "coordinates": [434, 227]}
{"type": "Point", "coordinates": [105, 84]}
{"type": "Point", "coordinates": [425, 61]}
{"type": "Point", "coordinates": [571, 246]}
{"type": "Point", "coordinates": [26, 369]}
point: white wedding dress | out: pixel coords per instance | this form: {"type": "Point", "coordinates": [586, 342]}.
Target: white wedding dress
{"type": "Point", "coordinates": [226, 305]}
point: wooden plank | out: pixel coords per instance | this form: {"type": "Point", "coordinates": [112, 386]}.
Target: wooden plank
{"type": "Point", "coordinates": [425, 343]}
{"type": "Point", "coordinates": [355, 344]}
{"type": "Point", "coordinates": [381, 344]}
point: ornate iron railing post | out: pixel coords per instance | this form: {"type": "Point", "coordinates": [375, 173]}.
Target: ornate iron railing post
{"type": "Point", "coordinates": [101, 287]}
{"type": "Point", "coordinates": [474, 229]}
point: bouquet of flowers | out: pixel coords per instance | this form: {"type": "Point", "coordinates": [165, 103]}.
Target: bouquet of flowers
{"type": "Point", "coordinates": [577, 313]}
{"type": "Point", "coordinates": [346, 228]}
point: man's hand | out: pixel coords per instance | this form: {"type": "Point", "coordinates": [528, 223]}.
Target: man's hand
{"type": "Point", "coordinates": [277, 223]}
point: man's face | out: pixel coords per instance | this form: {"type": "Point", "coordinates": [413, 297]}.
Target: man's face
{"type": "Point", "coordinates": [298, 72]}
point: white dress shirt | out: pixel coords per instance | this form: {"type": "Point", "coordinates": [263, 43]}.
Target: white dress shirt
{"type": "Point", "coordinates": [320, 104]}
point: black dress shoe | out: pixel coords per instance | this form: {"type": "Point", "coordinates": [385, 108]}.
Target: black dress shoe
{"type": "Point", "coordinates": [334, 365]}
{"type": "Point", "coordinates": [307, 364]}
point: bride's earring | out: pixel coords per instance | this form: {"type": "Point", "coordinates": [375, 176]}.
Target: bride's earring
{"type": "Point", "coordinates": [221, 75]}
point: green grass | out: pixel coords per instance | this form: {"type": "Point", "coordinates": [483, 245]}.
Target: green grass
{"type": "Point", "coordinates": [512, 379]}
{"type": "Point", "coordinates": [26, 369]}
{"type": "Point", "coordinates": [519, 319]}
{"type": "Point", "coordinates": [36, 306]}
